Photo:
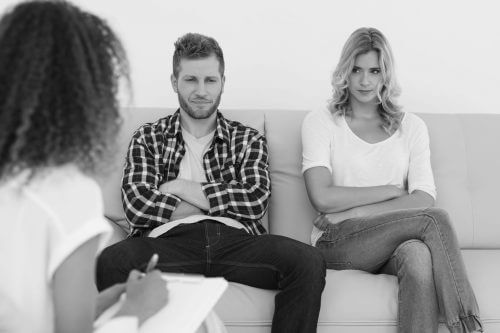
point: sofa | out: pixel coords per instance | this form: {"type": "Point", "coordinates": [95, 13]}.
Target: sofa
{"type": "Point", "coordinates": [466, 168]}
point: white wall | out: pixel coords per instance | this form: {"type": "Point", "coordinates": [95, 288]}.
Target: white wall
{"type": "Point", "coordinates": [280, 54]}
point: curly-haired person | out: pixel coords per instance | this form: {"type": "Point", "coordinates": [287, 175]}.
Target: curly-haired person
{"type": "Point", "coordinates": [59, 72]}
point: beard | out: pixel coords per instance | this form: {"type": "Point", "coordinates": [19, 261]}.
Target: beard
{"type": "Point", "coordinates": [199, 114]}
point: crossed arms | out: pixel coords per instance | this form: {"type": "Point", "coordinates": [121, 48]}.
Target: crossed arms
{"type": "Point", "coordinates": [150, 200]}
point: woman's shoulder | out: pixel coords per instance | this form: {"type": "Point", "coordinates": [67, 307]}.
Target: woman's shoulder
{"type": "Point", "coordinates": [322, 117]}
{"type": "Point", "coordinates": [66, 189]}
{"type": "Point", "coordinates": [412, 123]}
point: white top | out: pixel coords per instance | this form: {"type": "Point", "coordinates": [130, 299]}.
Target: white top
{"type": "Point", "coordinates": [191, 168]}
{"type": "Point", "coordinates": [403, 159]}
{"type": "Point", "coordinates": [42, 223]}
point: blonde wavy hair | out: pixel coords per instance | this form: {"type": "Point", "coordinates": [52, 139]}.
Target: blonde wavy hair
{"type": "Point", "coordinates": [362, 41]}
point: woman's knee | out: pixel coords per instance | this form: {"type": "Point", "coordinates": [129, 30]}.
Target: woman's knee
{"type": "Point", "coordinates": [440, 217]}
{"type": "Point", "coordinates": [414, 261]}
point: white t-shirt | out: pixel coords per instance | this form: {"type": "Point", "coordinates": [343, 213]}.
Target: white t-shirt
{"type": "Point", "coordinates": [42, 223]}
{"type": "Point", "coordinates": [403, 159]}
{"type": "Point", "coordinates": [191, 168]}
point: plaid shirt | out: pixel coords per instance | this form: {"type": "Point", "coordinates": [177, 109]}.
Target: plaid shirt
{"type": "Point", "coordinates": [236, 166]}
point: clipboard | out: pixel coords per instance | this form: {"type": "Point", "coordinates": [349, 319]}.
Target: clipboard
{"type": "Point", "coordinates": [190, 300]}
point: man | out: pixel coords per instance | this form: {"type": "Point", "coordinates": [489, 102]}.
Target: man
{"type": "Point", "coordinates": [201, 183]}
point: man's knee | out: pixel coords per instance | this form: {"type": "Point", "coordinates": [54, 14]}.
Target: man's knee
{"type": "Point", "coordinates": [310, 262]}
{"type": "Point", "coordinates": [115, 263]}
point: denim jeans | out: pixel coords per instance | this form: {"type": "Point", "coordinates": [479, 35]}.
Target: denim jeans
{"type": "Point", "coordinates": [420, 247]}
{"type": "Point", "coordinates": [214, 249]}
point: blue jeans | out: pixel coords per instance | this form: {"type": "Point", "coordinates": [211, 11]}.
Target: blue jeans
{"type": "Point", "coordinates": [419, 247]}
{"type": "Point", "coordinates": [214, 249]}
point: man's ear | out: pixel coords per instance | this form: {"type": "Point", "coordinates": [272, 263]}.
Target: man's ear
{"type": "Point", "coordinates": [173, 80]}
{"type": "Point", "coordinates": [223, 81]}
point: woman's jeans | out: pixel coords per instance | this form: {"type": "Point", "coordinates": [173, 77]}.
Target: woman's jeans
{"type": "Point", "coordinates": [213, 249]}
{"type": "Point", "coordinates": [420, 247]}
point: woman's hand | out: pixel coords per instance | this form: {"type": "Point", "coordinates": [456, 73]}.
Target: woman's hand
{"type": "Point", "coordinates": [145, 295]}
{"type": "Point", "coordinates": [108, 297]}
{"type": "Point", "coordinates": [323, 220]}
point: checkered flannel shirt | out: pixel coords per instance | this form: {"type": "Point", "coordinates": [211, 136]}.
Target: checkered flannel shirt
{"type": "Point", "coordinates": [236, 167]}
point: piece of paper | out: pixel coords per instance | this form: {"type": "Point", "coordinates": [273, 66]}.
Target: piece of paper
{"type": "Point", "coordinates": [190, 299]}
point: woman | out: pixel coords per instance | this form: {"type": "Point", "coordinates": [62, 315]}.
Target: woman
{"type": "Point", "coordinates": [59, 68]}
{"type": "Point", "coordinates": [367, 171]}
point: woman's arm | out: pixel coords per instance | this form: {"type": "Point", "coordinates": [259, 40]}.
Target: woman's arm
{"type": "Point", "coordinates": [74, 293]}
{"type": "Point", "coordinates": [327, 198]}
{"type": "Point", "coordinates": [417, 199]}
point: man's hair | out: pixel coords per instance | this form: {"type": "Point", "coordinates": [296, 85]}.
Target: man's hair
{"type": "Point", "coordinates": [196, 46]}
{"type": "Point", "coordinates": [362, 41]}
{"type": "Point", "coordinates": [59, 75]}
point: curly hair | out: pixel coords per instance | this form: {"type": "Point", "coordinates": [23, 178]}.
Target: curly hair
{"type": "Point", "coordinates": [362, 41]}
{"type": "Point", "coordinates": [196, 46]}
{"type": "Point", "coordinates": [59, 75]}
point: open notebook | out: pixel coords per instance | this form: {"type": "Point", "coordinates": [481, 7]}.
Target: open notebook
{"type": "Point", "coordinates": [190, 299]}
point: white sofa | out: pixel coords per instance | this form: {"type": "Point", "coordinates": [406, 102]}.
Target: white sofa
{"type": "Point", "coordinates": [466, 166]}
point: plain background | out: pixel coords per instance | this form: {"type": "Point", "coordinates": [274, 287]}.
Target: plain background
{"type": "Point", "coordinates": [281, 53]}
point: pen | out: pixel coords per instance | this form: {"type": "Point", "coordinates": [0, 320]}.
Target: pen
{"type": "Point", "coordinates": [152, 263]}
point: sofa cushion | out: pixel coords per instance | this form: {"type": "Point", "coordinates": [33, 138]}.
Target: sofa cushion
{"type": "Point", "coordinates": [355, 301]}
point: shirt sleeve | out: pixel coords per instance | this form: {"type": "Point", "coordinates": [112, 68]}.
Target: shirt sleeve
{"type": "Point", "coordinates": [145, 206]}
{"type": "Point", "coordinates": [420, 175]}
{"type": "Point", "coordinates": [247, 196]}
{"type": "Point", "coordinates": [316, 141]}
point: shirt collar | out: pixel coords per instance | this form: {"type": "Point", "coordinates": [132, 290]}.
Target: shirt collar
{"type": "Point", "coordinates": [221, 129]}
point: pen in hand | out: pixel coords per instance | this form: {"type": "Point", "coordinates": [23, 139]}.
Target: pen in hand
{"type": "Point", "coordinates": [152, 263]}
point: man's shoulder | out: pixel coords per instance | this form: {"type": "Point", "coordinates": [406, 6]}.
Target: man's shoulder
{"type": "Point", "coordinates": [149, 129]}
{"type": "Point", "coordinates": [237, 128]}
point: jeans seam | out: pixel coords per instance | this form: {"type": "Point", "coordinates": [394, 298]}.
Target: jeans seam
{"type": "Point", "coordinates": [443, 243]}
{"type": "Point", "coordinates": [207, 248]}
{"type": "Point", "coordinates": [375, 227]}
{"type": "Point", "coordinates": [251, 265]}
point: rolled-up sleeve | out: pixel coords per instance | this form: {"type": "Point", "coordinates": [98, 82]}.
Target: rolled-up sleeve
{"type": "Point", "coordinates": [316, 141]}
{"type": "Point", "coordinates": [420, 175]}
{"type": "Point", "coordinates": [145, 206]}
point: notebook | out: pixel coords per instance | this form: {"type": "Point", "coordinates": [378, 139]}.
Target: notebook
{"type": "Point", "coordinates": [190, 300]}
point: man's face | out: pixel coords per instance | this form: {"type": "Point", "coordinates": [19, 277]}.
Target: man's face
{"type": "Point", "coordinates": [199, 86]}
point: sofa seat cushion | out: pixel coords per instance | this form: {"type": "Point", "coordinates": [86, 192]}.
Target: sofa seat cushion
{"type": "Point", "coordinates": [355, 301]}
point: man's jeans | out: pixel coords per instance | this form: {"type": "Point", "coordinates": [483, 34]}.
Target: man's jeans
{"type": "Point", "coordinates": [419, 247]}
{"type": "Point", "coordinates": [214, 249]}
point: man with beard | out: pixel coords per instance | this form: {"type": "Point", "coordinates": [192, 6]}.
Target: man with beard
{"type": "Point", "coordinates": [200, 184]}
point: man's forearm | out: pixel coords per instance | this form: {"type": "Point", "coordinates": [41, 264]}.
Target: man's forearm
{"type": "Point", "coordinates": [185, 209]}
{"type": "Point", "coordinates": [188, 191]}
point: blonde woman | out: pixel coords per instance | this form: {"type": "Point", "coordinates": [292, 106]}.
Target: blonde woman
{"type": "Point", "coordinates": [367, 170]}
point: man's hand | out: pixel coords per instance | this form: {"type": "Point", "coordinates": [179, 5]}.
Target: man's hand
{"type": "Point", "coordinates": [171, 187]}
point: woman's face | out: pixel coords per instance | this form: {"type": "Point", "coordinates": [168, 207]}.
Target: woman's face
{"type": "Point", "coordinates": [365, 78]}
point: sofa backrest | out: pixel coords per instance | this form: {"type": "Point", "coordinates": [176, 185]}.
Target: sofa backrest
{"type": "Point", "coordinates": [462, 154]}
